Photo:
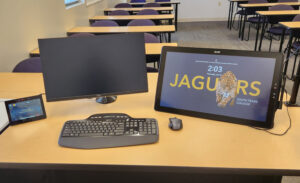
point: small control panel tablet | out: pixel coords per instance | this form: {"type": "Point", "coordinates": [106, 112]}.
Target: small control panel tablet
{"type": "Point", "coordinates": [25, 109]}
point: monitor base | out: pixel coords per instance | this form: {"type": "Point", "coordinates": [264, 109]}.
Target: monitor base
{"type": "Point", "coordinates": [288, 104]}
{"type": "Point", "coordinates": [106, 99]}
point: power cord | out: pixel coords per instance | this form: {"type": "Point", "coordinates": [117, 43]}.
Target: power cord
{"type": "Point", "coordinates": [286, 131]}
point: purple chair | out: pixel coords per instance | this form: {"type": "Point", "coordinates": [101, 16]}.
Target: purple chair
{"type": "Point", "coordinates": [152, 5]}
{"type": "Point", "coordinates": [32, 64]}
{"type": "Point", "coordinates": [278, 30]}
{"type": "Point", "coordinates": [139, 22]}
{"type": "Point", "coordinates": [248, 11]}
{"type": "Point", "coordinates": [119, 12]}
{"type": "Point", "coordinates": [138, 1]}
{"type": "Point", "coordinates": [281, 1]}
{"type": "Point", "coordinates": [123, 5]}
{"type": "Point", "coordinates": [148, 12]}
{"type": "Point", "coordinates": [83, 34]}
{"type": "Point", "coordinates": [105, 23]}
{"type": "Point", "coordinates": [150, 38]}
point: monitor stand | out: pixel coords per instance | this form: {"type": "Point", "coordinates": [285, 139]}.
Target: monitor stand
{"type": "Point", "coordinates": [106, 99]}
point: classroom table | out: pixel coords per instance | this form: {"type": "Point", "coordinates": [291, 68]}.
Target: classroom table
{"type": "Point", "coordinates": [230, 12]}
{"type": "Point", "coordinates": [175, 3]}
{"type": "Point", "coordinates": [169, 17]}
{"type": "Point", "coordinates": [125, 29]}
{"type": "Point", "coordinates": [150, 48]}
{"type": "Point", "coordinates": [159, 9]}
{"type": "Point", "coordinates": [202, 147]}
{"type": "Point", "coordinates": [263, 15]}
{"type": "Point", "coordinates": [259, 5]}
{"type": "Point", "coordinates": [134, 10]}
{"type": "Point", "coordinates": [292, 27]}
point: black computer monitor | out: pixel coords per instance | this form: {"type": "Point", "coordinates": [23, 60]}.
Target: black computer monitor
{"type": "Point", "coordinates": [85, 67]}
{"type": "Point", "coordinates": [227, 85]}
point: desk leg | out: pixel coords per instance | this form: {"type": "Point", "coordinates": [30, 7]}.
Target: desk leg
{"type": "Point", "coordinates": [229, 16]}
{"type": "Point", "coordinates": [257, 32]}
{"type": "Point", "coordinates": [262, 33]}
{"type": "Point", "coordinates": [282, 40]}
{"type": "Point", "coordinates": [286, 62]}
{"type": "Point", "coordinates": [176, 16]}
{"type": "Point", "coordinates": [244, 23]}
{"type": "Point", "coordinates": [105, 12]}
{"type": "Point", "coordinates": [170, 22]}
{"type": "Point", "coordinates": [169, 37]}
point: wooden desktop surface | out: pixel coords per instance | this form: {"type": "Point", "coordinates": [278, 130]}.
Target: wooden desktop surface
{"type": "Point", "coordinates": [123, 29]}
{"type": "Point", "coordinates": [269, 4]}
{"type": "Point", "coordinates": [163, 3]}
{"type": "Point", "coordinates": [140, 9]}
{"type": "Point", "coordinates": [150, 48]}
{"type": "Point", "coordinates": [135, 17]}
{"type": "Point", "coordinates": [291, 25]}
{"type": "Point", "coordinates": [273, 13]}
{"type": "Point", "coordinates": [201, 142]}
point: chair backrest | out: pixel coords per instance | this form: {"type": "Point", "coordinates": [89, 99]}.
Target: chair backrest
{"type": "Point", "coordinates": [83, 34]}
{"type": "Point", "coordinates": [162, 0]}
{"type": "Point", "coordinates": [148, 12]}
{"type": "Point", "coordinates": [123, 5]}
{"type": "Point", "coordinates": [141, 23]}
{"type": "Point", "coordinates": [138, 1]}
{"type": "Point", "coordinates": [281, 1]}
{"type": "Point", "coordinates": [105, 23]}
{"type": "Point", "coordinates": [152, 5]}
{"type": "Point", "coordinates": [276, 19]}
{"type": "Point", "coordinates": [296, 18]}
{"type": "Point", "coordinates": [119, 12]}
{"type": "Point", "coordinates": [257, 1]}
{"type": "Point", "coordinates": [281, 7]}
{"type": "Point", "coordinates": [29, 65]}
{"type": "Point", "coordinates": [150, 38]}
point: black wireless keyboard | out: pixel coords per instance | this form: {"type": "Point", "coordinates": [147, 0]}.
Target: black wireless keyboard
{"type": "Point", "coordinates": [108, 130]}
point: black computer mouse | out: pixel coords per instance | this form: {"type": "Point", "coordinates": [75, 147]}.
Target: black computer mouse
{"type": "Point", "coordinates": [175, 123]}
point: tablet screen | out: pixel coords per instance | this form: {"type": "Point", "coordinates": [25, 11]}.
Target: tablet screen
{"type": "Point", "coordinates": [233, 86]}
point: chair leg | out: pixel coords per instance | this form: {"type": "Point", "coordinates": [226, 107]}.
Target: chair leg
{"type": "Point", "coordinates": [249, 32]}
{"type": "Point", "coordinates": [296, 55]}
{"type": "Point", "coordinates": [271, 38]}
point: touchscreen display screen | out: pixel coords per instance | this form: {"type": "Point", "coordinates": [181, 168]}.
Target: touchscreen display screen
{"type": "Point", "coordinates": [23, 110]}
{"type": "Point", "coordinates": [234, 86]}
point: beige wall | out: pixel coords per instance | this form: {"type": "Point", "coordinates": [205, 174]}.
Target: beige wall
{"type": "Point", "coordinates": [24, 21]}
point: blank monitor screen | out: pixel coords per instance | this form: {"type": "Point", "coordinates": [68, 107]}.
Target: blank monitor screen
{"type": "Point", "coordinates": [227, 85]}
{"type": "Point", "coordinates": [102, 65]}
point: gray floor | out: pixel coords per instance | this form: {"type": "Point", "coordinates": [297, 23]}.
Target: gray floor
{"type": "Point", "coordinates": [216, 35]}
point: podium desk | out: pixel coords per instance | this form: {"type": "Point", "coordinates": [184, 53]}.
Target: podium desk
{"type": "Point", "coordinates": [125, 29]}
{"type": "Point", "coordinates": [201, 147]}
{"type": "Point", "coordinates": [150, 48]}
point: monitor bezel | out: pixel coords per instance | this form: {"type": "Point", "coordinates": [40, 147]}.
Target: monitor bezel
{"type": "Point", "coordinates": [273, 102]}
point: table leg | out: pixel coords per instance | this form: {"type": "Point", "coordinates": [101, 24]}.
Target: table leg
{"type": "Point", "coordinates": [244, 23]}
{"type": "Point", "coordinates": [240, 25]}
{"type": "Point", "coordinates": [257, 32]}
{"type": "Point", "coordinates": [262, 33]}
{"type": "Point", "coordinates": [229, 15]}
{"type": "Point", "coordinates": [169, 37]}
{"type": "Point", "coordinates": [176, 15]}
{"type": "Point", "coordinates": [286, 64]}
{"type": "Point", "coordinates": [281, 40]}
